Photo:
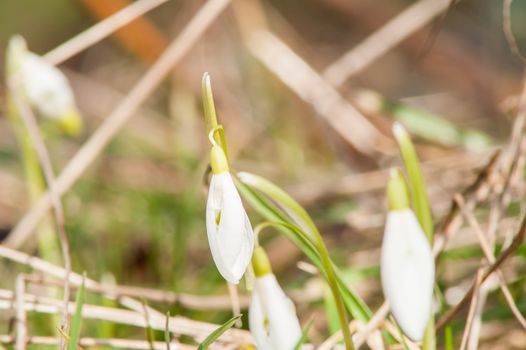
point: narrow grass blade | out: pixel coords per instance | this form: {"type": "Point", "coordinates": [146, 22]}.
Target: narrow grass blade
{"type": "Point", "coordinates": [416, 180]}
{"type": "Point", "coordinates": [167, 336]}
{"type": "Point", "coordinates": [74, 333]}
{"type": "Point", "coordinates": [437, 129]}
{"type": "Point", "coordinates": [218, 332]}
{"type": "Point", "coordinates": [266, 208]}
{"type": "Point", "coordinates": [283, 199]}
{"type": "Point", "coordinates": [304, 335]}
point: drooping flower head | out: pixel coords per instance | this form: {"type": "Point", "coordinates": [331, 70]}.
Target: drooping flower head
{"type": "Point", "coordinates": [272, 316]}
{"type": "Point", "coordinates": [229, 231]}
{"type": "Point", "coordinates": [45, 86]}
{"type": "Point", "coordinates": [407, 264]}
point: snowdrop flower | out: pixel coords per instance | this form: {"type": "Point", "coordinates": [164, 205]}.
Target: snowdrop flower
{"type": "Point", "coordinates": [272, 316]}
{"type": "Point", "coordinates": [46, 88]}
{"type": "Point", "coordinates": [228, 228]}
{"type": "Point", "coordinates": [407, 264]}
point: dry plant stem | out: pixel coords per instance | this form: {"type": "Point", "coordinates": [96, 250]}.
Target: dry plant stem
{"type": "Point", "coordinates": [30, 122]}
{"type": "Point", "coordinates": [110, 342]}
{"type": "Point", "coordinates": [234, 301]}
{"type": "Point", "coordinates": [190, 301]}
{"type": "Point", "coordinates": [384, 39]}
{"type": "Point", "coordinates": [519, 237]}
{"type": "Point", "coordinates": [486, 248]}
{"type": "Point", "coordinates": [294, 72]}
{"type": "Point", "coordinates": [120, 115]}
{"type": "Point", "coordinates": [100, 30]}
{"type": "Point", "coordinates": [21, 324]}
{"type": "Point", "coordinates": [471, 312]}
{"type": "Point", "coordinates": [508, 32]}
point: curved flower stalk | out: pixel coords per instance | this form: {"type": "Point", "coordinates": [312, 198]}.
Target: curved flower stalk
{"type": "Point", "coordinates": [407, 264]}
{"type": "Point", "coordinates": [229, 231]}
{"type": "Point", "coordinates": [45, 87]}
{"type": "Point", "coordinates": [272, 316]}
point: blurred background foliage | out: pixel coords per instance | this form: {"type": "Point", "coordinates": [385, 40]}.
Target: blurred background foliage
{"type": "Point", "coordinates": [137, 216]}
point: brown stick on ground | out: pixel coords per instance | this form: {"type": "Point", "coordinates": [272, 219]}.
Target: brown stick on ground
{"type": "Point", "coordinates": [118, 118]}
{"type": "Point", "coordinates": [384, 39]}
{"type": "Point", "coordinates": [140, 36]}
{"type": "Point", "coordinates": [102, 29]}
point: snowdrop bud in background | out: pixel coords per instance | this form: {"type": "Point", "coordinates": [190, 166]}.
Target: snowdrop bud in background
{"type": "Point", "coordinates": [228, 228]}
{"type": "Point", "coordinates": [272, 316]}
{"type": "Point", "coordinates": [46, 88]}
{"type": "Point", "coordinates": [407, 264]}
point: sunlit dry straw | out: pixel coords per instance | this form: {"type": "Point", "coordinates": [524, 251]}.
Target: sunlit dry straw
{"type": "Point", "coordinates": [109, 342]}
{"type": "Point", "coordinates": [178, 325]}
{"type": "Point", "coordinates": [21, 322]}
{"type": "Point", "coordinates": [471, 312]}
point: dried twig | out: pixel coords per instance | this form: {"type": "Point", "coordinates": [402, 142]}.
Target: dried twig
{"type": "Point", "coordinates": [498, 205]}
{"type": "Point", "coordinates": [517, 240]}
{"type": "Point", "coordinates": [292, 70]}
{"type": "Point", "coordinates": [384, 39]}
{"type": "Point", "coordinates": [118, 118]}
{"type": "Point", "coordinates": [471, 312]}
{"type": "Point", "coordinates": [508, 32]}
{"type": "Point", "coordinates": [100, 30]}
{"type": "Point", "coordinates": [488, 253]}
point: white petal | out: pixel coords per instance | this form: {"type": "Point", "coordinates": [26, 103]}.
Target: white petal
{"type": "Point", "coordinates": [257, 322]}
{"type": "Point", "coordinates": [283, 325]}
{"type": "Point", "coordinates": [408, 272]}
{"type": "Point", "coordinates": [232, 240]}
{"type": "Point", "coordinates": [46, 87]}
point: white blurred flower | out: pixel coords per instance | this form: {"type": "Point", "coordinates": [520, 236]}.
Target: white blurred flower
{"type": "Point", "coordinates": [46, 87]}
{"type": "Point", "coordinates": [48, 90]}
{"type": "Point", "coordinates": [408, 272]}
{"type": "Point", "coordinates": [272, 316]}
{"type": "Point", "coordinates": [228, 228]}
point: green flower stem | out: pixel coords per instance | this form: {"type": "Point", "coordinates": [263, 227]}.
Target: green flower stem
{"type": "Point", "coordinates": [35, 183]}
{"type": "Point", "coordinates": [268, 209]}
{"type": "Point", "coordinates": [422, 208]}
{"type": "Point", "coordinates": [397, 192]}
{"type": "Point", "coordinates": [210, 114]}
{"type": "Point", "coordinates": [36, 186]}
{"type": "Point", "coordinates": [314, 237]}
{"type": "Point", "coordinates": [416, 180]}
